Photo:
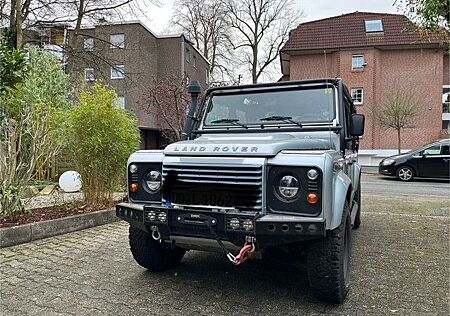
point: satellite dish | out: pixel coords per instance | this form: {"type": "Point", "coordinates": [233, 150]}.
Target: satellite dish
{"type": "Point", "coordinates": [70, 181]}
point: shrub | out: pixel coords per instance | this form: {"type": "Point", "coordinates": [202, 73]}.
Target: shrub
{"type": "Point", "coordinates": [101, 138]}
{"type": "Point", "coordinates": [32, 115]}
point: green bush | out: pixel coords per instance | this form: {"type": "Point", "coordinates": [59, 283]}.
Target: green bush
{"type": "Point", "coordinates": [101, 138]}
{"type": "Point", "coordinates": [33, 113]}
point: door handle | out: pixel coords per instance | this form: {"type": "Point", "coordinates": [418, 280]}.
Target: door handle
{"type": "Point", "coordinates": [447, 159]}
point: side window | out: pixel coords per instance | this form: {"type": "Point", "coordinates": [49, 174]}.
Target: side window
{"type": "Point", "coordinates": [433, 150]}
{"type": "Point", "coordinates": [445, 150]}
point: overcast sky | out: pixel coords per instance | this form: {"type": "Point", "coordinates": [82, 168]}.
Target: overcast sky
{"type": "Point", "coordinates": [157, 18]}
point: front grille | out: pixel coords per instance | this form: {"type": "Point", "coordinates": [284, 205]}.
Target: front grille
{"type": "Point", "coordinates": [244, 182]}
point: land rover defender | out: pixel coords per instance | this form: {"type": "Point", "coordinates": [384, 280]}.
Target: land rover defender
{"type": "Point", "coordinates": [261, 167]}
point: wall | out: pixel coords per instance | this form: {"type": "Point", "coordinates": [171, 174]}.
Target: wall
{"type": "Point", "coordinates": [421, 70]}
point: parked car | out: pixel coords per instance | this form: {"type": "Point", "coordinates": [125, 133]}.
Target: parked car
{"type": "Point", "coordinates": [430, 161]}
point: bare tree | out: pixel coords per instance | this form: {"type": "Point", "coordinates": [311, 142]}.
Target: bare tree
{"type": "Point", "coordinates": [398, 112]}
{"type": "Point", "coordinates": [168, 101]}
{"type": "Point", "coordinates": [262, 27]}
{"type": "Point", "coordinates": [206, 23]}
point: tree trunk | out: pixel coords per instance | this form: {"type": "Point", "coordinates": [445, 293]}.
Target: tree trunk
{"type": "Point", "coordinates": [399, 141]}
{"type": "Point", "coordinates": [19, 22]}
{"type": "Point", "coordinates": [254, 65]}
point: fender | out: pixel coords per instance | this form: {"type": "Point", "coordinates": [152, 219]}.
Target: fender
{"type": "Point", "coordinates": [341, 185]}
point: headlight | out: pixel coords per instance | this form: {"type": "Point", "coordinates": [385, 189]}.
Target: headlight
{"type": "Point", "coordinates": [153, 180]}
{"type": "Point", "coordinates": [387, 162]}
{"type": "Point", "coordinates": [288, 187]}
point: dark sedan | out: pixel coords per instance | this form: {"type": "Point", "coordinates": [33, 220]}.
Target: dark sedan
{"type": "Point", "coordinates": [430, 161]}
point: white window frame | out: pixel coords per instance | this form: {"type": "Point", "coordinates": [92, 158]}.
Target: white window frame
{"type": "Point", "coordinates": [115, 69]}
{"type": "Point", "coordinates": [116, 44]}
{"type": "Point", "coordinates": [357, 65]}
{"type": "Point", "coordinates": [353, 91]}
{"type": "Point", "coordinates": [121, 102]}
{"type": "Point", "coordinates": [90, 46]}
{"type": "Point", "coordinates": [86, 72]}
{"type": "Point", "coordinates": [378, 21]}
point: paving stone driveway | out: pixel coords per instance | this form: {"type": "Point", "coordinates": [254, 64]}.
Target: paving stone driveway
{"type": "Point", "coordinates": [401, 267]}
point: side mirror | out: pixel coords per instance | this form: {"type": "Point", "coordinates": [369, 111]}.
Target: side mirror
{"type": "Point", "coordinates": [357, 124]}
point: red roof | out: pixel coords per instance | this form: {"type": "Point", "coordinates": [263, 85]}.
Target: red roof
{"type": "Point", "coordinates": [348, 30]}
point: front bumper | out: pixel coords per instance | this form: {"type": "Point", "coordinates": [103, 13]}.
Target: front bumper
{"type": "Point", "coordinates": [269, 230]}
{"type": "Point", "coordinates": [387, 170]}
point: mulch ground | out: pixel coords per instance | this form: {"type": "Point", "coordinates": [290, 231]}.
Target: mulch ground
{"type": "Point", "coordinates": [52, 212]}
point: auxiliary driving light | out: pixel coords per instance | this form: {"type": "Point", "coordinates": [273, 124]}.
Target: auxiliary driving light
{"type": "Point", "coordinates": [247, 224]}
{"type": "Point", "coordinates": [235, 223]}
{"type": "Point", "coordinates": [162, 217]}
{"type": "Point", "coordinates": [151, 216]}
{"type": "Point", "coordinates": [133, 168]}
{"type": "Point", "coordinates": [312, 174]}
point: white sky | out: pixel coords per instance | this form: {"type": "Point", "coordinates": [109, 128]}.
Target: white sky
{"type": "Point", "coordinates": [157, 18]}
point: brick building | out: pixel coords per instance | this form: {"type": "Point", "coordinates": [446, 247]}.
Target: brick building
{"type": "Point", "coordinates": [131, 58]}
{"type": "Point", "coordinates": [375, 53]}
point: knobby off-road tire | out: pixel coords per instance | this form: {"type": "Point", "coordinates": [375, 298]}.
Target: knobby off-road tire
{"type": "Point", "coordinates": [357, 222]}
{"type": "Point", "coordinates": [152, 254]}
{"type": "Point", "coordinates": [329, 262]}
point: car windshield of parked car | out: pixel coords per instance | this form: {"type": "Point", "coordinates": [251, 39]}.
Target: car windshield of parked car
{"type": "Point", "coordinates": [312, 105]}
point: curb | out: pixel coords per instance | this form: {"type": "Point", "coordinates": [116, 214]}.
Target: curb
{"type": "Point", "coordinates": [11, 236]}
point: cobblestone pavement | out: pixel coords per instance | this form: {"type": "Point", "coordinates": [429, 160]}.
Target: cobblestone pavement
{"type": "Point", "coordinates": [401, 267]}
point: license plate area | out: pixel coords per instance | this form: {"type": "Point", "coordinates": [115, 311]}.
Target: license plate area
{"type": "Point", "coordinates": [207, 198]}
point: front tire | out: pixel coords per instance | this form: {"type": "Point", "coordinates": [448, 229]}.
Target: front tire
{"type": "Point", "coordinates": [405, 173]}
{"type": "Point", "coordinates": [329, 262]}
{"type": "Point", "coordinates": [152, 254]}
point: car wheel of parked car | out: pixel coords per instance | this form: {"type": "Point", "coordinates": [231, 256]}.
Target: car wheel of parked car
{"type": "Point", "coordinates": [152, 254]}
{"type": "Point", "coordinates": [405, 173]}
{"type": "Point", "coordinates": [329, 262]}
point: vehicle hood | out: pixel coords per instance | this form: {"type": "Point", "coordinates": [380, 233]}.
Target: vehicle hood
{"type": "Point", "coordinates": [249, 145]}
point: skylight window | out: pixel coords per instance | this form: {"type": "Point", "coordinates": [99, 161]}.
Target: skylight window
{"type": "Point", "coordinates": [373, 26]}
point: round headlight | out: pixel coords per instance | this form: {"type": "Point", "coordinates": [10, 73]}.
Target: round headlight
{"type": "Point", "coordinates": [312, 174]}
{"type": "Point", "coordinates": [133, 168]}
{"type": "Point", "coordinates": [153, 180]}
{"type": "Point", "coordinates": [288, 187]}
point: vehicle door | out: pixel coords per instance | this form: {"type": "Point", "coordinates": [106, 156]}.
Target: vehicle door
{"type": "Point", "coordinates": [434, 162]}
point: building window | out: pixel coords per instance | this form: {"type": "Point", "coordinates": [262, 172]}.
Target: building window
{"type": "Point", "coordinates": [121, 102]}
{"type": "Point", "coordinates": [358, 62]}
{"type": "Point", "coordinates": [188, 55]}
{"type": "Point", "coordinates": [118, 72]}
{"type": "Point", "coordinates": [194, 61]}
{"type": "Point", "coordinates": [88, 43]}
{"type": "Point", "coordinates": [89, 74]}
{"type": "Point", "coordinates": [117, 40]}
{"type": "Point", "coordinates": [373, 26]}
{"type": "Point", "coordinates": [357, 95]}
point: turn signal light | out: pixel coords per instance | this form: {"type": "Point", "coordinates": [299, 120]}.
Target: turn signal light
{"type": "Point", "coordinates": [134, 187]}
{"type": "Point", "coordinates": [312, 198]}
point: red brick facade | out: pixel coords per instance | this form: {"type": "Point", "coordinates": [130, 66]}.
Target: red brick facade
{"type": "Point", "coordinates": [422, 68]}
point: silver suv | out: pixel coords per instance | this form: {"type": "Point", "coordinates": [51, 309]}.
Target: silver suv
{"type": "Point", "coordinates": [262, 167]}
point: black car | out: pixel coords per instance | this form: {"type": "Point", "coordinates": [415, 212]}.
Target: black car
{"type": "Point", "coordinates": [430, 161]}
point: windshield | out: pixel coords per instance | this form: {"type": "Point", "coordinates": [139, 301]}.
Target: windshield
{"type": "Point", "coordinates": [312, 105]}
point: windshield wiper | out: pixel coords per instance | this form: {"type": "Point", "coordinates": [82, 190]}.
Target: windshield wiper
{"type": "Point", "coordinates": [287, 119]}
{"type": "Point", "coordinates": [229, 120]}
